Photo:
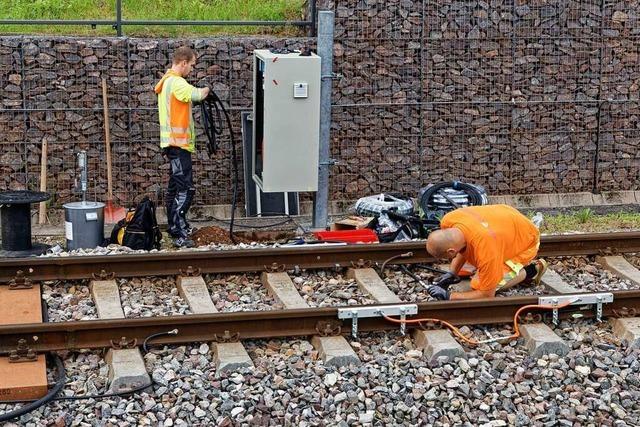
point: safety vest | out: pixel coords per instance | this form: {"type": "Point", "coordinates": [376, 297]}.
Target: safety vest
{"type": "Point", "coordinates": [175, 96]}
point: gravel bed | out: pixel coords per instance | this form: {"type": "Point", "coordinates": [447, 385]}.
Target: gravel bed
{"type": "Point", "coordinates": [401, 284]}
{"type": "Point", "coordinates": [50, 240]}
{"type": "Point", "coordinates": [411, 291]}
{"type": "Point", "coordinates": [68, 301]}
{"type": "Point", "coordinates": [586, 274]}
{"type": "Point", "coordinates": [597, 383]}
{"type": "Point", "coordinates": [323, 289]}
{"type": "Point", "coordinates": [243, 292]}
{"type": "Point", "coordinates": [86, 374]}
{"type": "Point", "coordinates": [149, 297]}
{"type": "Point", "coordinates": [524, 289]}
{"type": "Point", "coordinates": [58, 249]}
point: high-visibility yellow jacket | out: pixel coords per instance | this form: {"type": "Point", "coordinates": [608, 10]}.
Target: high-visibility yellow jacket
{"type": "Point", "coordinates": [175, 96]}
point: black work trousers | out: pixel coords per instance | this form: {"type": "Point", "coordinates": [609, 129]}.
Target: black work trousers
{"type": "Point", "coordinates": [180, 191]}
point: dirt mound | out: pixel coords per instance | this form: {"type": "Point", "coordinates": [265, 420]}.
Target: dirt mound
{"type": "Point", "coordinates": [208, 235]}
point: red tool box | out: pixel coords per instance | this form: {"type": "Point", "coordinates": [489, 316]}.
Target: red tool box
{"type": "Point", "coordinates": [364, 235]}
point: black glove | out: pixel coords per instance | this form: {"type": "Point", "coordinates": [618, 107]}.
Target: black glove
{"type": "Point", "coordinates": [446, 280]}
{"type": "Point", "coordinates": [438, 293]}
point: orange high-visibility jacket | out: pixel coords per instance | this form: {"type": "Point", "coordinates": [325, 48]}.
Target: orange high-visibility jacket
{"type": "Point", "coordinates": [496, 235]}
{"type": "Point", "coordinates": [175, 96]}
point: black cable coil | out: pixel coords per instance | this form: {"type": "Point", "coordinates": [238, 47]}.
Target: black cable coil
{"type": "Point", "coordinates": [213, 122]}
{"type": "Point", "coordinates": [435, 200]}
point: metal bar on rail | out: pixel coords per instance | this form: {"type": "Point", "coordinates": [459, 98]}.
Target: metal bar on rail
{"type": "Point", "coordinates": [126, 22]}
{"type": "Point", "coordinates": [57, 22]}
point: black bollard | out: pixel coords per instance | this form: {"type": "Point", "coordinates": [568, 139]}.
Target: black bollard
{"type": "Point", "coordinates": [15, 214]}
{"type": "Point", "coordinates": [16, 227]}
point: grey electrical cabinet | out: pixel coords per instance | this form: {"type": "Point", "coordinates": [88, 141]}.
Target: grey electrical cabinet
{"type": "Point", "coordinates": [286, 121]}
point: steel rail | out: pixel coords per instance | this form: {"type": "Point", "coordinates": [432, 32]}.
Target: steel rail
{"type": "Point", "coordinates": [251, 260]}
{"type": "Point", "coordinates": [43, 337]}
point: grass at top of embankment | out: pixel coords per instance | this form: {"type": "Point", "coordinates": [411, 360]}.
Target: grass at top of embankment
{"type": "Point", "coordinates": [194, 10]}
{"type": "Point", "coordinates": [586, 221]}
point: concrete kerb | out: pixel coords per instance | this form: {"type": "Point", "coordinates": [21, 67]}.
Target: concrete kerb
{"type": "Point", "coordinates": [619, 197]}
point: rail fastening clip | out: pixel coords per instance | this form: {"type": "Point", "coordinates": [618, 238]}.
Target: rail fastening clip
{"type": "Point", "coordinates": [355, 313]}
{"type": "Point", "coordinates": [596, 299]}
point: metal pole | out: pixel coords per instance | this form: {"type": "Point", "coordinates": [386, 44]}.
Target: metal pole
{"type": "Point", "coordinates": [312, 17]}
{"type": "Point", "coordinates": [325, 51]}
{"type": "Point", "coordinates": [119, 18]}
{"type": "Point", "coordinates": [595, 189]}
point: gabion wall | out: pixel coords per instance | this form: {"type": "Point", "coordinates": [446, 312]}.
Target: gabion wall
{"type": "Point", "coordinates": [519, 96]}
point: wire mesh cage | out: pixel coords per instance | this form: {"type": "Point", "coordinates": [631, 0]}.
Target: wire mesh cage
{"type": "Point", "coordinates": [518, 96]}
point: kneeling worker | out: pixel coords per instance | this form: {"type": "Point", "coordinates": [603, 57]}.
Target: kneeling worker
{"type": "Point", "coordinates": [497, 240]}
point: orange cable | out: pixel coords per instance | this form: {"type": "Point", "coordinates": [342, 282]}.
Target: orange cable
{"type": "Point", "coordinates": [470, 341]}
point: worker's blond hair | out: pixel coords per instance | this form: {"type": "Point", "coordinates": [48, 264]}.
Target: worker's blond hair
{"type": "Point", "coordinates": [183, 53]}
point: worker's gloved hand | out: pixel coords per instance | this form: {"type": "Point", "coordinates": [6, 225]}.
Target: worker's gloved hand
{"type": "Point", "coordinates": [446, 280]}
{"type": "Point", "coordinates": [438, 293]}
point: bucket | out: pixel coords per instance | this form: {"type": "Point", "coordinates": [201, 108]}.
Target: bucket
{"type": "Point", "coordinates": [84, 224]}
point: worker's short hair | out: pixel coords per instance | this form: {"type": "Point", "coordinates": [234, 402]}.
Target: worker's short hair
{"type": "Point", "coordinates": [183, 53]}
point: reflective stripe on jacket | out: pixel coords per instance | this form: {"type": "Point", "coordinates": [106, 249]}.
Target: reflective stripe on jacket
{"type": "Point", "coordinates": [175, 96]}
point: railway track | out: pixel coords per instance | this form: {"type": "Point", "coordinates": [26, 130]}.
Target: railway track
{"type": "Point", "coordinates": [172, 263]}
{"type": "Point", "coordinates": [222, 329]}
{"type": "Point", "coordinates": [272, 323]}
{"type": "Point", "coordinates": [89, 334]}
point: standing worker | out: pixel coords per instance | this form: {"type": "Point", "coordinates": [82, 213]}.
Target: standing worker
{"type": "Point", "coordinates": [177, 140]}
{"type": "Point", "coordinates": [497, 240]}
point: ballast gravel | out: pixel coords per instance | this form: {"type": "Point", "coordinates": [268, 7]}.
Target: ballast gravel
{"type": "Point", "coordinates": [409, 290]}
{"type": "Point", "coordinates": [597, 383]}
{"type": "Point", "coordinates": [587, 275]}
{"type": "Point", "coordinates": [405, 287]}
{"type": "Point", "coordinates": [240, 292]}
{"type": "Point", "coordinates": [113, 249]}
{"type": "Point", "coordinates": [322, 289]}
{"type": "Point", "coordinates": [149, 297]}
{"type": "Point", "coordinates": [68, 301]}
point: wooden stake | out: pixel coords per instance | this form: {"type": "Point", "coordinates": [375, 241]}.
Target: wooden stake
{"type": "Point", "coordinates": [42, 215]}
{"type": "Point", "coordinates": [107, 137]}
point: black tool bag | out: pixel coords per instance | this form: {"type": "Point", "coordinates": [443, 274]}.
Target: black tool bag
{"type": "Point", "coordinates": [139, 229]}
{"type": "Point", "coordinates": [406, 227]}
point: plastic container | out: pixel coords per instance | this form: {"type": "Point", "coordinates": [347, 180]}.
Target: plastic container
{"type": "Point", "coordinates": [84, 224]}
{"type": "Point", "coordinates": [364, 235]}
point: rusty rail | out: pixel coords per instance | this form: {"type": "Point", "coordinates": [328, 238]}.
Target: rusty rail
{"type": "Point", "coordinates": [232, 261]}
{"type": "Point", "coordinates": [87, 334]}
